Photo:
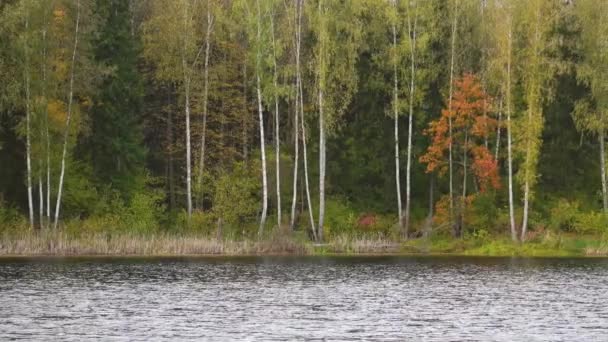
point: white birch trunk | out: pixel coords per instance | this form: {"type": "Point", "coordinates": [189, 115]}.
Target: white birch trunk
{"type": "Point", "coordinates": [408, 190]}
{"type": "Point", "coordinates": [297, 113]}
{"type": "Point", "coordinates": [186, 81]}
{"type": "Point", "coordinates": [28, 145]}
{"type": "Point", "coordinates": [46, 133]}
{"type": "Point", "coordinates": [263, 153]}
{"type": "Point", "coordinates": [66, 133]}
{"type": "Point", "coordinates": [396, 125]}
{"type": "Point", "coordinates": [188, 150]}
{"type": "Point", "coordinates": [527, 165]}
{"type": "Point", "coordinates": [321, 133]}
{"type": "Point", "coordinates": [261, 121]}
{"type": "Point", "coordinates": [305, 158]}
{"type": "Point", "coordinates": [510, 143]}
{"type": "Point", "coordinates": [498, 131]}
{"type": "Point", "coordinates": [321, 167]}
{"type": "Point", "coordinates": [201, 165]}
{"type": "Point", "coordinates": [277, 140]}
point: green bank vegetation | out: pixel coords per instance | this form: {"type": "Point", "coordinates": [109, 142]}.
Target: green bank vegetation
{"type": "Point", "coordinates": [303, 127]}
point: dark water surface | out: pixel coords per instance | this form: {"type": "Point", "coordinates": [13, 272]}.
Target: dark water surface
{"type": "Point", "coordinates": [288, 298]}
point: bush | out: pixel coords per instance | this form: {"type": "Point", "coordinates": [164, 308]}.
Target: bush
{"type": "Point", "coordinates": [564, 215]}
{"type": "Point", "coordinates": [591, 223]}
{"type": "Point", "coordinates": [482, 214]}
{"type": "Point", "coordinates": [139, 215]}
{"type": "Point", "coordinates": [10, 219]}
{"type": "Point", "coordinates": [236, 197]}
{"type": "Point", "coordinates": [341, 219]}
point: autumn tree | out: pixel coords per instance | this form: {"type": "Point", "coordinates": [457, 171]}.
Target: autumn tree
{"type": "Point", "coordinates": [470, 128]}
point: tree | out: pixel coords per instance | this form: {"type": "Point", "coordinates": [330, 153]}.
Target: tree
{"type": "Point", "coordinates": [66, 133]}
{"type": "Point", "coordinates": [591, 113]}
{"type": "Point", "coordinates": [538, 22]}
{"type": "Point", "coordinates": [116, 139]}
{"type": "Point", "coordinates": [470, 129]}
{"type": "Point", "coordinates": [337, 33]}
{"type": "Point", "coordinates": [502, 16]}
{"type": "Point", "coordinates": [201, 165]}
{"type": "Point", "coordinates": [171, 43]}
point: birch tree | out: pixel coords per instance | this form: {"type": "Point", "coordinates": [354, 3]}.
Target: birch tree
{"type": "Point", "coordinates": [502, 16]}
{"type": "Point", "coordinates": [454, 8]}
{"type": "Point", "coordinates": [28, 144]}
{"type": "Point", "coordinates": [297, 43]}
{"type": "Point", "coordinates": [208, 31]}
{"type": "Point", "coordinates": [591, 114]}
{"type": "Point", "coordinates": [337, 31]}
{"type": "Point", "coordinates": [394, 15]}
{"type": "Point", "coordinates": [538, 20]}
{"type": "Point", "coordinates": [66, 132]}
{"type": "Point", "coordinates": [261, 118]}
{"type": "Point", "coordinates": [171, 42]}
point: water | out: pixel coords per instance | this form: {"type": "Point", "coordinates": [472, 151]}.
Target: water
{"type": "Point", "coordinates": [381, 298]}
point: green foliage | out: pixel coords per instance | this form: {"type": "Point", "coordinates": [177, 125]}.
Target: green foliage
{"type": "Point", "coordinates": [483, 213]}
{"type": "Point", "coordinates": [344, 220]}
{"type": "Point", "coordinates": [116, 146]}
{"type": "Point", "coordinates": [591, 223]}
{"type": "Point", "coordinates": [11, 219]}
{"type": "Point", "coordinates": [141, 214]}
{"type": "Point", "coordinates": [236, 196]}
{"type": "Point", "coordinates": [563, 215]}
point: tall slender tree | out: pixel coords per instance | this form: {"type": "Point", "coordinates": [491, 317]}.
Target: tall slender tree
{"type": "Point", "coordinates": [66, 132]}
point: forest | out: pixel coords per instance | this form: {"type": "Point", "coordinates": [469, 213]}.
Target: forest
{"type": "Point", "coordinates": [455, 124]}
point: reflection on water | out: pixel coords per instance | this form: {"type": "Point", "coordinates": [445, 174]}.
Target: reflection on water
{"type": "Point", "coordinates": [381, 298]}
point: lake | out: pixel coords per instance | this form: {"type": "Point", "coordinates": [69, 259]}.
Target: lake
{"type": "Point", "coordinates": [304, 298]}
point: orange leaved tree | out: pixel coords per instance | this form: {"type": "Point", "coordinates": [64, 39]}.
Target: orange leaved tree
{"type": "Point", "coordinates": [471, 127]}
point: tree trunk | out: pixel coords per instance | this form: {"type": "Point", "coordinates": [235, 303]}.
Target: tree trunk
{"type": "Point", "coordinates": [322, 137]}
{"type": "Point", "coordinates": [305, 158]}
{"type": "Point", "coordinates": [46, 127]}
{"type": "Point", "coordinates": [261, 121]}
{"type": "Point", "coordinates": [277, 140]}
{"type": "Point", "coordinates": [292, 220]}
{"type": "Point", "coordinates": [396, 125]}
{"type": "Point", "coordinates": [321, 168]}
{"type": "Point", "coordinates": [498, 131]}
{"type": "Point", "coordinates": [201, 165]}
{"type": "Point", "coordinates": [66, 133]}
{"type": "Point", "coordinates": [603, 170]}
{"type": "Point", "coordinates": [527, 163]}
{"type": "Point", "coordinates": [28, 145]}
{"type": "Point", "coordinates": [263, 153]}
{"type": "Point", "coordinates": [245, 115]}
{"type": "Point", "coordinates": [450, 157]}
{"type": "Point", "coordinates": [171, 166]}
{"type": "Point", "coordinates": [510, 140]}
{"type": "Point", "coordinates": [408, 191]}
{"type": "Point", "coordinates": [188, 152]}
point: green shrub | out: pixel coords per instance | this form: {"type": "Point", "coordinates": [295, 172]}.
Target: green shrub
{"type": "Point", "coordinates": [340, 218]}
{"type": "Point", "coordinates": [236, 198]}
{"type": "Point", "coordinates": [10, 219]}
{"type": "Point", "coordinates": [563, 215]}
{"type": "Point", "coordinates": [591, 223]}
{"type": "Point", "coordinates": [483, 213]}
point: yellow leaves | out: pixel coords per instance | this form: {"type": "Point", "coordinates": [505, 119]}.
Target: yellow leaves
{"type": "Point", "coordinates": [58, 14]}
{"type": "Point", "coordinates": [57, 112]}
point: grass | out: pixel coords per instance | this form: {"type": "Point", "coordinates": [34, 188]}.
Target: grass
{"type": "Point", "coordinates": [280, 242]}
